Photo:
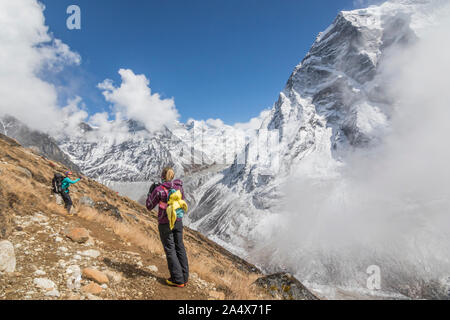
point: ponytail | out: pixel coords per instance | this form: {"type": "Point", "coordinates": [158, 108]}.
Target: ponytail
{"type": "Point", "coordinates": [167, 174]}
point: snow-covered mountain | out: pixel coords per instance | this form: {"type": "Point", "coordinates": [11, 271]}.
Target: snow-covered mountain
{"type": "Point", "coordinates": [336, 101]}
{"type": "Point", "coordinates": [332, 102]}
{"type": "Point", "coordinates": [136, 156]}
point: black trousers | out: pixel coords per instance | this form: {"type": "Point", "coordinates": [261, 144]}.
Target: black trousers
{"type": "Point", "coordinates": [67, 200]}
{"type": "Point", "coordinates": [177, 260]}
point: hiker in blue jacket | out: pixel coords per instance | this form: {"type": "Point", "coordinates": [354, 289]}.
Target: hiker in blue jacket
{"type": "Point", "coordinates": [65, 184]}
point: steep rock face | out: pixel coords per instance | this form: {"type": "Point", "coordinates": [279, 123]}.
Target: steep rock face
{"type": "Point", "coordinates": [41, 142]}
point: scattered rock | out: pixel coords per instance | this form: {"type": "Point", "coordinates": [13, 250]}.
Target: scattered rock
{"type": "Point", "coordinates": [40, 273]}
{"type": "Point", "coordinates": [58, 199]}
{"type": "Point", "coordinates": [90, 242]}
{"type": "Point", "coordinates": [95, 275]}
{"type": "Point", "coordinates": [217, 295]}
{"type": "Point", "coordinates": [58, 239]}
{"type": "Point", "coordinates": [39, 218]}
{"type": "Point", "coordinates": [79, 235]}
{"type": "Point", "coordinates": [87, 201]}
{"type": "Point", "coordinates": [92, 288]}
{"type": "Point", "coordinates": [113, 276]}
{"type": "Point", "coordinates": [73, 296]}
{"type": "Point", "coordinates": [63, 249]}
{"type": "Point", "coordinates": [90, 296]}
{"type": "Point", "coordinates": [44, 283]}
{"type": "Point", "coordinates": [74, 280]}
{"type": "Point", "coordinates": [52, 293]}
{"type": "Point", "coordinates": [91, 253]}
{"type": "Point", "coordinates": [113, 211]}
{"type": "Point", "coordinates": [153, 268]}
{"type": "Point", "coordinates": [285, 286]}
{"type": "Point", "coordinates": [7, 257]}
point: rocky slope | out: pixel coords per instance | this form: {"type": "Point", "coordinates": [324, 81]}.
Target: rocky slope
{"type": "Point", "coordinates": [40, 142]}
{"type": "Point", "coordinates": [108, 250]}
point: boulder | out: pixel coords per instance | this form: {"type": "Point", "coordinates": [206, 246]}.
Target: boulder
{"type": "Point", "coordinates": [79, 235]}
{"type": "Point", "coordinates": [44, 283]}
{"type": "Point", "coordinates": [95, 275]}
{"type": "Point", "coordinates": [286, 287]}
{"type": "Point", "coordinates": [7, 257]}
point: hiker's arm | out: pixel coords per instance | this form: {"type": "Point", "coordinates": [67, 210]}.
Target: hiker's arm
{"type": "Point", "coordinates": [73, 181]}
{"type": "Point", "coordinates": [152, 199]}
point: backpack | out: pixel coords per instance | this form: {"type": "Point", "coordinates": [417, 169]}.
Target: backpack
{"type": "Point", "coordinates": [174, 200]}
{"type": "Point", "coordinates": [57, 183]}
{"type": "Point", "coordinates": [153, 187]}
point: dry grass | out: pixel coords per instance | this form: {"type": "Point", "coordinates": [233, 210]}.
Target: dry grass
{"type": "Point", "coordinates": [128, 233]}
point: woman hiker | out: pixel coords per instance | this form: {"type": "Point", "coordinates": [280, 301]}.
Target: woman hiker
{"type": "Point", "coordinates": [170, 195]}
{"type": "Point", "coordinates": [65, 184]}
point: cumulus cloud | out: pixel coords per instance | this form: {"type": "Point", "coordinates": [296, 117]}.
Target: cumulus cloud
{"type": "Point", "coordinates": [253, 123]}
{"type": "Point", "coordinates": [134, 100]}
{"type": "Point", "coordinates": [27, 50]}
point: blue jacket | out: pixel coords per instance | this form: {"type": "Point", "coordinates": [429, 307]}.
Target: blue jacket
{"type": "Point", "coordinates": [65, 184]}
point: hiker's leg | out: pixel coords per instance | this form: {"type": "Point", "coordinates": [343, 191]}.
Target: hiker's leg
{"type": "Point", "coordinates": [67, 201]}
{"type": "Point", "coordinates": [176, 274]}
{"type": "Point", "coordinates": [181, 250]}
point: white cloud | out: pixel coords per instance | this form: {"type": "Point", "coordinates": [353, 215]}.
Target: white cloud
{"type": "Point", "coordinates": [27, 48]}
{"type": "Point", "coordinates": [134, 100]}
{"type": "Point", "coordinates": [254, 123]}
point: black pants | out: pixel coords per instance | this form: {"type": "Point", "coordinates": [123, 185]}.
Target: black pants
{"type": "Point", "coordinates": [177, 260]}
{"type": "Point", "coordinates": [67, 200]}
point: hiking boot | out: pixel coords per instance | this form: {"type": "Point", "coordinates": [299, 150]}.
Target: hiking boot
{"type": "Point", "coordinates": [173, 284]}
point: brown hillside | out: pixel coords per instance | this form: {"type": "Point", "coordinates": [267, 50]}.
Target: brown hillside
{"type": "Point", "coordinates": [122, 243]}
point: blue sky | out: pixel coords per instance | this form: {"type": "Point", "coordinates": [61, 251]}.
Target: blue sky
{"type": "Point", "coordinates": [216, 58]}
